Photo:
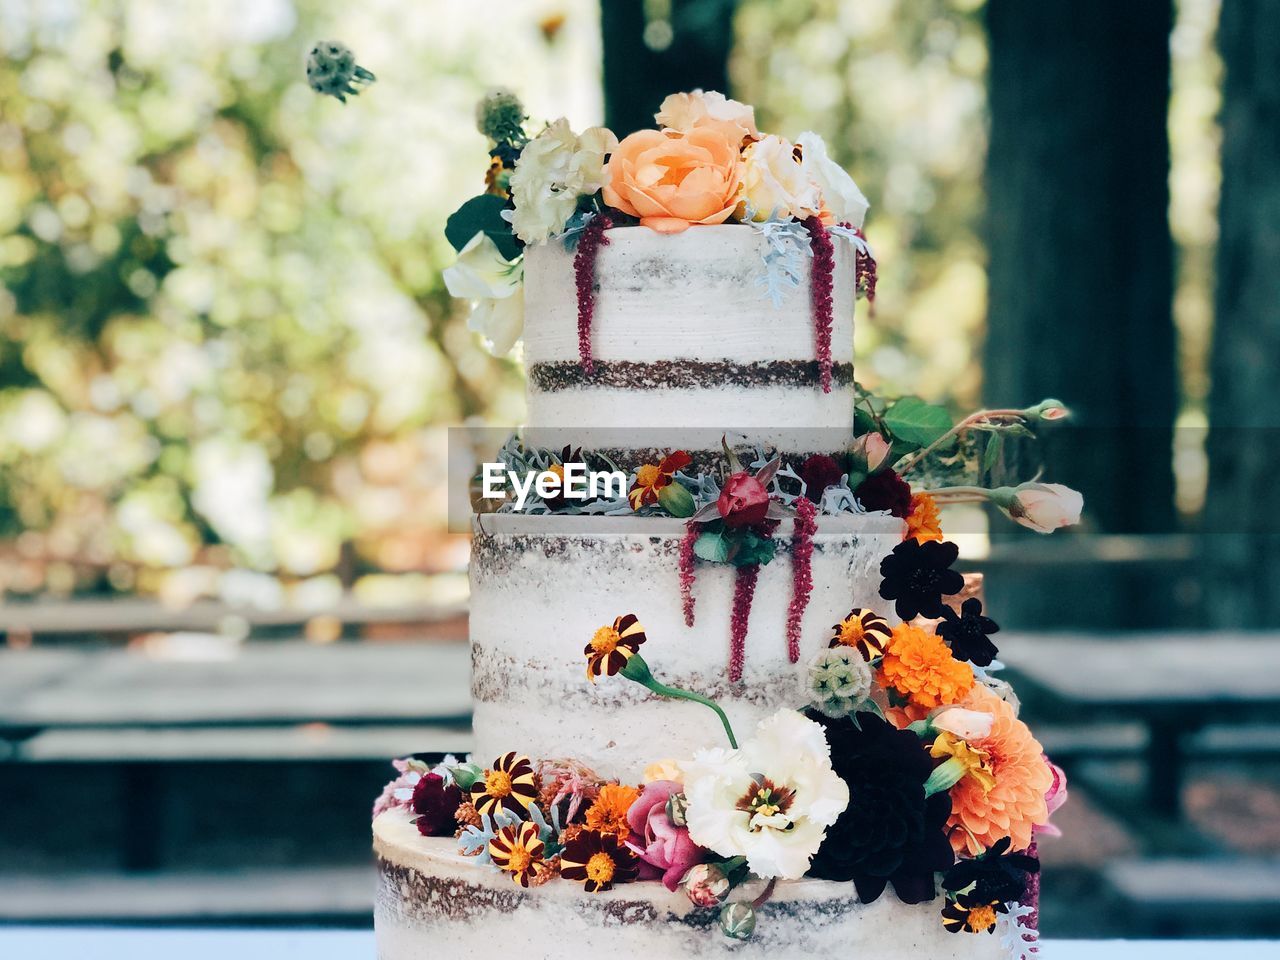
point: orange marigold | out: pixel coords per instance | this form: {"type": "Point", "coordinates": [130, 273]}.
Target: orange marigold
{"type": "Point", "coordinates": [1016, 802]}
{"type": "Point", "coordinates": [920, 667]}
{"type": "Point", "coordinates": [608, 814]}
{"type": "Point", "coordinates": [922, 521]}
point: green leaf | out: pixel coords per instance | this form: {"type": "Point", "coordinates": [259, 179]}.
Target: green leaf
{"type": "Point", "coordinates": [914, 421]}
{"type": "Point", "coordinates": [482, 214]}
{"type": "Point", "coordinates": [754, 549]}
{"type": "Point", "coordinates": [712, 547]}
{"type": "Point", "coordinates": [991, 456]}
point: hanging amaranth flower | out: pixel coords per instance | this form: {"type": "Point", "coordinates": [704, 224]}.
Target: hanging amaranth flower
{"type": "Point", "coordinates": [584, 275]}
{"type": "Point", "coordinates": [744, 591]}
{"type": "Point", "coordinates": [821, 280]}
{"type": "Point", "coordinates": [687, 575]}
{"type": "Point", "coordinates": [801, 571]}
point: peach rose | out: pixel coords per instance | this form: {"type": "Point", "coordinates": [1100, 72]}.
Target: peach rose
{"type": "Point", "coordinates": [671, 180]}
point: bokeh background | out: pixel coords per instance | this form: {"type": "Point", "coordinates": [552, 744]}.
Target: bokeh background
{"type": "Point", "coordinates": [228, 364]}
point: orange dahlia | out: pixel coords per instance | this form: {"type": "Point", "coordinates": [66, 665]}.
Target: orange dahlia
{"type": "Point", "coordinates": [922, 521]}
{"type": "Point", "coordinates": [919, 666]}
{"type": "Point", "coordinates": [1015, 803]}
{"type": "Point", "coordinates": [608, 814]}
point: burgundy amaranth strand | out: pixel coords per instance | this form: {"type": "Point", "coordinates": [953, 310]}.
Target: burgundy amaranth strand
{"type": "Point", "coordinates": [802, 572]}
{"type": "Point", "coordinates": [864, 270]}
{"type": "Point", "coordinates": [744, 590]}
{"type": "Point", "coordinates": [691, 532]}
{"type": "Point", "coordinates": [821, 278]}
{"type": "Point", "coordinates": [1032, 893]}
{"type": "Point", "coordinates": [584, 275]}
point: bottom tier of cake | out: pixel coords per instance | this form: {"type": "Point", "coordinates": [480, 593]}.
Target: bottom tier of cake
{"type": "Point", "coordinates": [433, 902]}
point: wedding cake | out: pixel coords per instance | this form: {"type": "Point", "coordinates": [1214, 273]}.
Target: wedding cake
{"type": "Point", "coordinates": [731, 695]}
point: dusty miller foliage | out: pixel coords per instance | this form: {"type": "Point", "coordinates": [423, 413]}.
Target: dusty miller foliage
{"type": "Point", "coordinates": [788, 246]}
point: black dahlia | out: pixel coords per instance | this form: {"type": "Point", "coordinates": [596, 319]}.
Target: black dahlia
{"type": "Point", "coordinates": [995, 876]}
{"type": "Point", "coordinates": [967, 633]}
{"type": "Point", "coordinates": [885, 491]}
{"type": "Point", "coordinates": [890, 832]}
{"type": "Point", "coordinates": [436, 800]}
{"type": "Point", "coordinates": [918, 575]}
{"type": "Point", "coordinates": [819, 472]}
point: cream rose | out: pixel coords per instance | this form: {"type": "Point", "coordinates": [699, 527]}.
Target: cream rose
{"type": "Point", "coordinates": [773, 182]}
{"type": "Point", "coordinates": [495, 287]}
{"type": "Point", "coordinates": [1044, 507]}
{"type": "Point", "coordinates": [840, 196]}
{"type": "Point", "coordinates": [556, 168]}
{"type": "Point", "coordinates": [685, 111]}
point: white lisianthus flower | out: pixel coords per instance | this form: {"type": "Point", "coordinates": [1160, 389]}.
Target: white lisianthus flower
{"type": "Point", "coordinates": [839, 194]}
{"type": "Point", "coordinates": [555, 168]}
{"type": "Point", "coordinates": [1044, 507]}
{"type": "Point", "coordinates": [495, 287]}
{"type": "Point", "coordinates": [685, 111]}
{"type": "Point", "coordinates": [770, 801]}
{"type": "Point", "coordinates": [773, 182]}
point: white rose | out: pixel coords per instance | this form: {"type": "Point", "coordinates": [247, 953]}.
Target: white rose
{"type": "Point", "coordinates": [839, 194]}
{"type": "Point", "coordinates": [773, 182]}
{"type": "Point", "coordinates": [1044, 507]}
{"type": "Point", "coordinates": [684, 111]}
{"type": "Point", "coordinates": [555, 168]}
{"type": "Point", "coordinates": [495, 287]}
{"type": "Point", "coordinates": [770, 801]}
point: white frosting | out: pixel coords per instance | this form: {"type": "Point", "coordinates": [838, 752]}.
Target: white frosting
{"type": "Point", "coordinates": [542, 585]}
{"type": "Point", "coordinates": [693, 297]}
{"type": "Point", "coordinates": [434, 902]}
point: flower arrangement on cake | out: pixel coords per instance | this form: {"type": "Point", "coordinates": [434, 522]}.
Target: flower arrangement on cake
{"type": "Point", "coordinates": [705, 164]}
{"type": "Point", "coordinates": [907, 771]}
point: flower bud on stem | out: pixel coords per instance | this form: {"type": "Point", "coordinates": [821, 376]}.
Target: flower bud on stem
{"type": "Point", "coordinates": [638, 671]}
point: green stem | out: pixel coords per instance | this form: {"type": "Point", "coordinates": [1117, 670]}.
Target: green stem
{"type": "Point", "coordinates": [638, 671]}
{"type": "Point", "coordinates": [911, 459]}
{"type": "Point", "coordinates": [676, 693]}
{"type": "Point", "coordinates": [960, 493]}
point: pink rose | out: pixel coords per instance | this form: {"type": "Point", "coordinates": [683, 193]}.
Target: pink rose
{"type": "Point", "coordinates": [744, 501]}
{"type": "Point", "coordinates": [659, 843]}
{"type": "Point", "coordinates": [1055, 798]}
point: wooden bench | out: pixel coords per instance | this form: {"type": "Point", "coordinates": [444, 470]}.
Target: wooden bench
{"type": "Point", "coordinates": [1170, 897]}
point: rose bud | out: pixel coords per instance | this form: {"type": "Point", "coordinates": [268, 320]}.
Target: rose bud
{"type": "Point", "coordinates": [1044, 507]}
{"type": "Point", "coordinates": [706, 885]}
{"type": "Point", "coordinates": [744, 501]}
{"type": "Point", "coordinates": [869, 451]}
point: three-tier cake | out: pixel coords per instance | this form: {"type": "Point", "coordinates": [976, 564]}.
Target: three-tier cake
{"type": "Point", "coordinates": [737, 700]}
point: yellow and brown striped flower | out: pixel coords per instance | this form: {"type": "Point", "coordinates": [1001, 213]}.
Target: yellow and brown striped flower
{"type": "Point", "coordinates": [598, 861]}
{"type": "Point", "coordinates": [977, 918]}
{"type": "Point", "coordinates": [519, 851]}
{"type": "Point", "coordinates": [612, 646]}
{"type": "Point", "coordinates": [865, 630]}
{"type": "Point", "coordinates": [508, 785]}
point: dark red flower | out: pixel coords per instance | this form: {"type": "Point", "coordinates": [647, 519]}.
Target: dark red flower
{"type": "Point", "coordinates": [916, 576]}
{"type": "Point", "coordinates": [885, 491]}
{"type": "Point", "coordinates": [744, 501]}
{"type": "Point", "coordinates": [819, 472]}
{"type": "Point", "coordinates": [435, 800]}
{"type": "Point", "coordinates": [967, 633]}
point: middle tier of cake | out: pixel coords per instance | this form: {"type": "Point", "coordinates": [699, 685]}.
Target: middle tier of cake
{"type": "Point", "coordinates": [542, 585]}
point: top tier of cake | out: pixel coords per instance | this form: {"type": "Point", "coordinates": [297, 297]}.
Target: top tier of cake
{"type": "Point", "coordinates": [686, 344]}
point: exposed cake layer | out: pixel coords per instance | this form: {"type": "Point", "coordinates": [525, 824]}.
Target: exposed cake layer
{"type": "Point", "coordinates": [433, 902]}
{"type": "Point", "coordinates": [541, 585]}
{"type": "Point", "coordinates": [683, 337]}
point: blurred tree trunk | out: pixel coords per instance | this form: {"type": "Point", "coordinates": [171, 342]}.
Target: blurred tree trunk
{"type": "Point", "coordinates": [1240, 542]}
{"type": "Point", "coordinates": [1081, 274]}
{"type": "Point", "coordinates": [640, 68]}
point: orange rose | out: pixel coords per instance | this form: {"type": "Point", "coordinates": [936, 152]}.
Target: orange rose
{"type": "Point", "coordinates": [671, 180]}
